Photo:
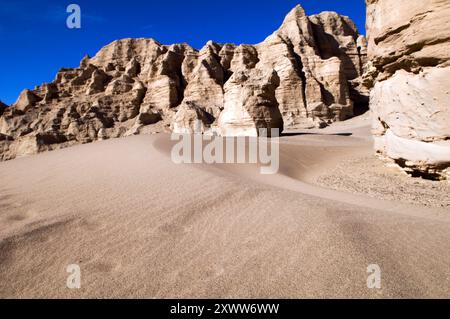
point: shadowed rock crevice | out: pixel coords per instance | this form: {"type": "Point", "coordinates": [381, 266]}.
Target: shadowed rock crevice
{"type": "Point", "coordinates": [3, 107]}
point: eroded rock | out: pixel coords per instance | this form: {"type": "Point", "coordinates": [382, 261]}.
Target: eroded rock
{"type": "Point", "coordinates": [191, 118]}
{"type": "Point", "coordinates": [410, 73]}
{"type": "Point", "coordinates": [305, 74]}
{"type": "Point", "coordinates": [250, 104]}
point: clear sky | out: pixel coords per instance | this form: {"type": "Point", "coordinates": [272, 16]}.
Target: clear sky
{"type": "Point", "coordinates": [36, 43]}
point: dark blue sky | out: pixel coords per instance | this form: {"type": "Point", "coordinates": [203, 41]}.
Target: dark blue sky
{"type": "Point", "coordinates": [35, 42]}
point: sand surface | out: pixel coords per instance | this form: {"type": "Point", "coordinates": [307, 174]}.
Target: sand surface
{"type": "Point", "coordinates": [141, 226]}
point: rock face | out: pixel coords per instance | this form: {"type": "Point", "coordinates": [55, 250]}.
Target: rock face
{"type": "Point", "coordinates": [191, 119]}
{"type": "Point", "coordinates": [251, 104]}
{"type": "Point", "coordinates": [308, 73]}
{"type": "Point", "coordinates": [409, 50]}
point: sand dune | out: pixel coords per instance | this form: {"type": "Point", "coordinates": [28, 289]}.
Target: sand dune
{"type": "Point", "coordinates": [140, 226]}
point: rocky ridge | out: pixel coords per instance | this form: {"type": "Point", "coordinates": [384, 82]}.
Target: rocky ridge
{"type": "Point", "coordinates": [307, 73]}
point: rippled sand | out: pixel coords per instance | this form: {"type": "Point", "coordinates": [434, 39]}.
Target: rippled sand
{"type": "Point", "coordinates": [140, 226]}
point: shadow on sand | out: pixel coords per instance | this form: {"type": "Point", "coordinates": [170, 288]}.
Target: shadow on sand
{"type": "Point", "coordinates": [320, 134]}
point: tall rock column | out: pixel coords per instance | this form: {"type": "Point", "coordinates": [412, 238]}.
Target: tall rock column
{"type": "Point", "coordinates": [409, 73]}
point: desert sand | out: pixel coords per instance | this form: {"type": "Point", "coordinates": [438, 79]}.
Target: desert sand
{"type": "Point", "coordinates": [140, 226]}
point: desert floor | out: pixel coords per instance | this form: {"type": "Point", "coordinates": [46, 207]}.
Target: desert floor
{"type": "Point", "coordinates": [141, 226]}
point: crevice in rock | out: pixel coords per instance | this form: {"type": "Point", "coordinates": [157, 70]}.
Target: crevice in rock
{"type": "Point", "coordinates": [429, 173]}
{"type": "Point", "coordinates": [140, 100]}
{"type": "Point", "coordinates": [182, 84]}
{"type": "Point", "coordinates": [328, 98]}
{"type": "Point", "coordinates": [360, 102]}
{"type": "Point", "coordinates": [391, 32]}
{"type": "Point", "coordinates": [404, 60]}
{"type": "Point", "coordinates": [360, 62]}
{"type": "Point", "coordinates": [226, 76]}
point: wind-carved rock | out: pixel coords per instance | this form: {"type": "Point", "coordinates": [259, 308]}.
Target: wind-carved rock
{"type": "Point", "coordinates": [250, 104]}
{"type": "Point", "coordinates": [409, 74]}
{"type": "Point", "coordinates": [316, 58]}
{"type": "Point", "coordinates": [191, 119]}
{"type": "Point", "coordinates": [306, 74]}
{"type": "Point", "coordinates": [206, 80]}
{"type": "Point", "coordinates": [27, 100]}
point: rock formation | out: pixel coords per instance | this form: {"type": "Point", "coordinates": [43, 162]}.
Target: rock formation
{"type": "Point", "coordinates": [409, 70]}
{"type": "Point", "coordinates": [190, 119]}
{"type": "Point", "coordinates": [308, 73]}
{"type": "Point", "coordinates": [251, 104]}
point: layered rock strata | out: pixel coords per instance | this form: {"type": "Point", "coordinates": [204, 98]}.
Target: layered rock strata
{"type": "Point", "coordinates": [409, 77]}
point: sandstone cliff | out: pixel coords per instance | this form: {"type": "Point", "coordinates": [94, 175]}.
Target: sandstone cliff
{"type": "Point", "coordinates": [409, 73]}
{"type": "Point", "coordinates": [308, 73]}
